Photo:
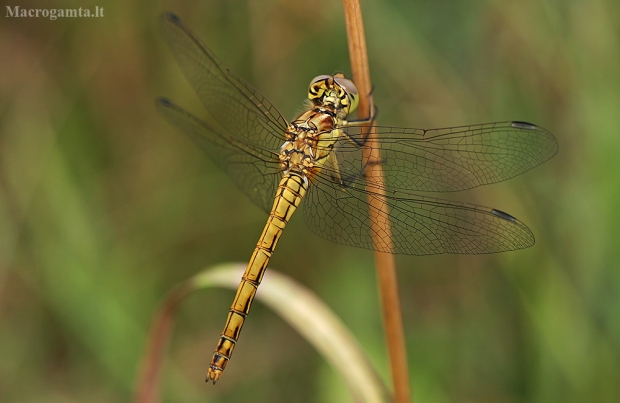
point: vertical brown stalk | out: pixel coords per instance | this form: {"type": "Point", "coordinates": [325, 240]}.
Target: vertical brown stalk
{"type": "Point", "coordinates": [386, 267]}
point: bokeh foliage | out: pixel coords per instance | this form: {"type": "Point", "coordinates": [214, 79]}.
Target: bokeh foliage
{"type": "Point", "coordinates": [104, 206]}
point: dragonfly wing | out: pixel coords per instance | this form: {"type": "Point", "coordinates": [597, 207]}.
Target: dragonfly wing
{"type": "Point", "coordinates": [230, 101]}
{"type": "Point", "coordinates": [457, 158]}
{"type": "Point", "coordinates": [253, 169]}
{"type": "Point", "coordinates": [419, 225]}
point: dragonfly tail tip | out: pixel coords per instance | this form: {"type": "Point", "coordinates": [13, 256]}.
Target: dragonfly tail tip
{"type": "Point", "coordinates": [213, 375]}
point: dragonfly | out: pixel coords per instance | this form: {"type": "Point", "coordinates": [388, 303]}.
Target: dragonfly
{"type": "Point", "coordinates": [318, 157]}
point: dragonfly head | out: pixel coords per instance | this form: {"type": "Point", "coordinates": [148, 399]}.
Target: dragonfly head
{"type": "Point", "coordinates": [335, 91]}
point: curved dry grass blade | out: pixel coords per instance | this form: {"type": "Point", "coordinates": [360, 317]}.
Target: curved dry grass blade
{"type": "Point", "coordinates": [297, 305]}
{"type": "Point", "coordinates": [315, 321]}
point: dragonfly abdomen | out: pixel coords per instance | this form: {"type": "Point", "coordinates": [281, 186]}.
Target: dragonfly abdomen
{"type": "Point", "coordinates": [291, 190]}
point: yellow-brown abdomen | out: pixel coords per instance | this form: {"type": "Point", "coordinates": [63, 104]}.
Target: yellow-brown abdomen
{"type": "Point", "coordinates": [291, 190]}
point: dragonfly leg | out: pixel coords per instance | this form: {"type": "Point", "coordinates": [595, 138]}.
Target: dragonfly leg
{"type": "Point", "coordinates": [334, 169]}
{"type": "Point", "coordinates": [336, 174]}
{"type": "Point", "coordinates": [362, 124]}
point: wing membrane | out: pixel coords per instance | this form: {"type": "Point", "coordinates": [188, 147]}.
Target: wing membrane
{"type": "Point", "coordinates": [254, 170]}
{"type": "Point", "coordinates": [230, 101]}
{"type": "Point", "coordinates": [419, 225]}
{"type": "Point", "coordinates": [454, 159]}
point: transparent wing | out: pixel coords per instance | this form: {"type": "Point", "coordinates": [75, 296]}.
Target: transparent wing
{"type": "Point", "coordinates": [242, 131]}
{"type": "Point", "coordinates": [230, 101]}
{"type": "Point", "coordinates": [254, 170]}
{"type": "Point", "coordinates": [439, 160]}
{"type": "Point", "coordinates": [452, 159]}
{"type": "Point", "coordinates": [419, 225]}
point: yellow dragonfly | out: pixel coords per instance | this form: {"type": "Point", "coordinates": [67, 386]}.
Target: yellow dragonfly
{"type": "Point", "coordinates": [318, 157]}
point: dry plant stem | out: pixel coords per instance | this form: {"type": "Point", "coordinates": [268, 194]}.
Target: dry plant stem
{"type": "Point", "coordinates": [148, 380]}
{"type": "Point", "coordinates": [386, 267]}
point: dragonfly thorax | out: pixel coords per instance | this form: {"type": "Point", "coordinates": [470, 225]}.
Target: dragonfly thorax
{"type": "Point", "coordinates": [311, 136]}
{"type": "Point", "coordinates": [309, 141]}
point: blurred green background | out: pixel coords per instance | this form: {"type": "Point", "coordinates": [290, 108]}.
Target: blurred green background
{"type": "Point", "coordinates": [104, 206]}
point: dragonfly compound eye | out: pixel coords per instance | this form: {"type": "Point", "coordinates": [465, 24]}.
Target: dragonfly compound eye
{"type": "Point", "coordinates": [350, 98]}
{"type": "Point", "coordinates": [318, 86]}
